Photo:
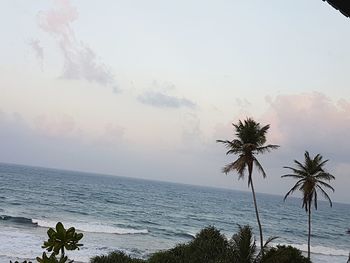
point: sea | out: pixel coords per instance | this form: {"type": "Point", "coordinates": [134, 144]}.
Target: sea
{"type": "Point", "coordinates": [140, 217]}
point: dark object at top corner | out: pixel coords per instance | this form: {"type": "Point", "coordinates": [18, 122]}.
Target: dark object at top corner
{"type": "Point", "coordinates": [342, 5]}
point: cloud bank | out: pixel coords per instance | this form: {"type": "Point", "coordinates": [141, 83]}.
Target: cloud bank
{"type": "Point", "coordinates": [310, 121]}
{"type": "Point", "coordinates": [299, 122]}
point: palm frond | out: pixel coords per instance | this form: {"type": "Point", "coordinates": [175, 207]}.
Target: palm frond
{"type": "Point", "coordinates": [243, 244]}
{"type": "Point", "coordinates": [259, 166]}
{"type": "Point", "coordinates": [229, 168]}
{"type": "Point", "coordinates": [325, 195]}
{"type": "Point", "coordinates": [322, 163]}
{"type": "Point", "coordinates": [296, 171]}
{"type": "Point", "coordinates": [234, 146]}
{"type": "Point", "coordinates": [300, 165]}
{"type": "Point", "coordinates": [296, 176]}
{"type": "Point", "coordinates": [238, 166]}
{"type": "Point", "coordinates": [307, 199]}
{"type": "Point", "coordinates": [269, 240]}
{"type": "Point", "coordinates": [266, 148]}
{"type": "Point", "coordinates": [324, 176]}
{"type": "Point", "coordinates": [228, 144]}
{"type": "Point", "coordinates": [326, 185]}
{"type": "Point", "coordinates": [295, 187]}
{"type": "Point", "coordinates": [307, 156]}
{"type": "Point", "coordinates": [261, 132]}
{"type": "Point", "coordinates": [265, 248]}
{"type": "Point", "coordinates": [315, 200]}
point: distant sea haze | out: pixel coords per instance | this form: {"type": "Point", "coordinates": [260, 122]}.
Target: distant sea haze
{"type": "Point", "coordinates": [140, 217]}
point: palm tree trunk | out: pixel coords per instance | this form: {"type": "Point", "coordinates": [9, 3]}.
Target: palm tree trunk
{"type": "Point", "coordinates": [258, 219]}
{"type": "Point", "coordinates": [250, 169]}
{"type": "Point", "coordinates": [309, 235]}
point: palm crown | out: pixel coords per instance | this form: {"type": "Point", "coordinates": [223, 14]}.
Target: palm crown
{"type": "Point", "coordinates": [311, 178]}
{"type": "Point", "coordinates": [251, 139]}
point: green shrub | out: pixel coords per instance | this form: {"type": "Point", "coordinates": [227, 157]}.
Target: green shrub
{"type": "Point", "coordinates": [60, 239]}
{"type": "Point", "coordinates": [284, 254]}
{"type": "Point", "coordinates": [178, 254]}
{"type": "Point", "coordinates": [243, 246]}
{"type": "Point", "coordinates": [209, 246]}
{"type": "Point", "coordinates": [115, 257]}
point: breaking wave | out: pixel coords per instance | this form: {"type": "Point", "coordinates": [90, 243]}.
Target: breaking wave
{"type": "Point", "coordinates": [94, 228]}
{"type": "Point", "coordinates": [85, 227]}
{"type": "Point", "coordinates": [18, 220]}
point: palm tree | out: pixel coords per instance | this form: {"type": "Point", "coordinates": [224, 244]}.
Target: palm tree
{"type": "Point", "coordinates": [250, 141]}
{"type": "Point", "coordinates": [311, 179]}
{"type": "Point", "coordinates": [244, 248]}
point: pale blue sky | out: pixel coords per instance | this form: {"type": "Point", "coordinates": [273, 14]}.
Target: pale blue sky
{"type": "Point", "coordinates": [144, 88]}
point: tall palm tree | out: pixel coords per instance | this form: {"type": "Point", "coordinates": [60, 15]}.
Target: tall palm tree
{"type": "Point", "coordinates": [311, 179]}
{"type": "Point", "coordinates": [250, 140]}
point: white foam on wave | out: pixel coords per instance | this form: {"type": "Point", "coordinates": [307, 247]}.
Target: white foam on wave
{"type": "Point", "coordinates": [191, 234]}
{"type": "Point", "coordinates": [322, 250]}
{"type": "Point", "coordinates": [93, 227]}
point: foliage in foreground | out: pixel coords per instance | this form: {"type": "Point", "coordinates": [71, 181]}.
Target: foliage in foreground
{"type": "Point", "coordinates": [115, 257]}
{"type": "Point", "coordinates": [210, 246]}
{"type": "Point", "coordinates": [60, 239]}
{"type": "Point", "coordinates": [285, 254]}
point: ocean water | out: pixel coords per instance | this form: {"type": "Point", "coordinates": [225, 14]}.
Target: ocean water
{"type": "Point", "coordinates": [140, 217]}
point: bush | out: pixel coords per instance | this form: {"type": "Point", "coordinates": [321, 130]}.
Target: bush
{"type": "Point", "coordinates": [178, 254]}
{"type": "Point", "coordinates": [284, 254]}
{"type": "Point", "coordinates": [209, 246]}
{"type": "Point", "coordinates": [60, 239]}
{"type": "Point", "coordinates": [115, 257]}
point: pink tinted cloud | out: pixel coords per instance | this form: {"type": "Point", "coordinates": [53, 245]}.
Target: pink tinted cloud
{"type": "Point", "coordinates": [58, 21]}
{"type": "Point", "coordinates": [299, 122]}
{"type": "Point", "coordinates": [309, 121]}
{"type": "Point", "coordinates": [80, 61]}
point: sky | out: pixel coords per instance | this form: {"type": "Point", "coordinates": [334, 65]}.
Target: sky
{"type": "Point", "coordinates": [145, 88]}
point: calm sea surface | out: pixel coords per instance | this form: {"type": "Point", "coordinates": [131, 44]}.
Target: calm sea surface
{"type": "Point", "coordinates": [141, 217]}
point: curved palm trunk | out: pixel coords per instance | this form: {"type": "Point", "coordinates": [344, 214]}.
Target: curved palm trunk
{"type": "Point", "coordinates": [309, 235]}
{"type": "Point", "coordinates": [250, 167]}
{"type": "Point", "coordinates": [257, 218]}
